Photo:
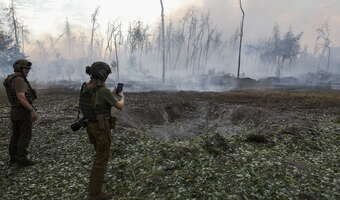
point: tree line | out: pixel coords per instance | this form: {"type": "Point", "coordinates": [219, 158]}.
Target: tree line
{"type": "Point", "coordinates": [190, 44]}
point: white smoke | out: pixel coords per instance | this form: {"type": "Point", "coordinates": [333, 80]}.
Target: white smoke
{"type": "Point", "coordinates": [62, 56]}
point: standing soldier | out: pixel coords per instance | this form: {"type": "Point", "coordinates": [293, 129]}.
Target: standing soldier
{"type": "Point", "coordinates": [95, 103]}
{"type": "Point", "coordinates": [21, 96]}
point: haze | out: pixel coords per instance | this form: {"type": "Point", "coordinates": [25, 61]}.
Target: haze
{"type": "Point", "coordinates": [306, 16]}
{"type": "Point", "coordinates": [46, 21]}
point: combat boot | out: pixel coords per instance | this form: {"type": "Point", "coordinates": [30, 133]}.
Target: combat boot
{"type": "Point", "coordinates": [25, 163]}
{"type": "Point", "coordinates": [102, 196]}
{"type": "Point", "coordinates": [12, 161]}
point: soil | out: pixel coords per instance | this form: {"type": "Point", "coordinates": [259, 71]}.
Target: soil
{"type": "Point", "coordinates": [170, 115]}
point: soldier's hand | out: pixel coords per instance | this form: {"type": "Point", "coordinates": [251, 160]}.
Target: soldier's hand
{"type": "Point", "coordinates": [114, 91]}
{"type": "Point", "coordinates": [34, 116]}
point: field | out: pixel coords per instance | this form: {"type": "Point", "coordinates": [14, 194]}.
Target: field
{"type": "Point", "coordinates": [245, 144]}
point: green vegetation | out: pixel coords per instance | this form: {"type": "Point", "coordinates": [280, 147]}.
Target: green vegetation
{"type": "Point", "coordinates": [206, 167]}
{"type": "Point", "coordinates": [281, 161]}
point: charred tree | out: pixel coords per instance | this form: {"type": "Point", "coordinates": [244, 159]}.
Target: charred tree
{"type": "Point", "coordinates": [163, 42]}
{"type": "Point", "coordinates": [117, 36]}
{"type": "Point", "coordinates": [14, 22]}
{"type": "Point", "coordinates": [323, 43]}
{"type": "Point", "coordinates": [241, 38]}
{"type": "Point", "coordinates": [68, 35]}
{"type": "Point", "coordinates": [93, 29]}
{"type": "Point", "coordinates": [114, 35]}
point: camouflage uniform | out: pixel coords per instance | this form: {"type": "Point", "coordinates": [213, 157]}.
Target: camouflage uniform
{"type": "Point", "coordinates": [95, 103]}
{"type": "Point", "coordinates": [20, 116]}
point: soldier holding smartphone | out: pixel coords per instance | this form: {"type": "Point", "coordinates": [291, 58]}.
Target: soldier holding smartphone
{"type": "Point", "coordinates": [95, 102]}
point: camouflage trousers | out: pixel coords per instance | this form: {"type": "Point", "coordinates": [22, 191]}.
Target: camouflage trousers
{"type": "Point", "coordinates": [101, 139]}
{"type": "Point", "coordinates": [21, 133]}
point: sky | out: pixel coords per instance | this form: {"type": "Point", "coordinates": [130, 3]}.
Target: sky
{"type": "Point", "coordinates": [49, 16]}
{"type": "Point", "coordinates": [261, 15]}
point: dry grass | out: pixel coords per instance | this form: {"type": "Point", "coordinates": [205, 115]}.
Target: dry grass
{"type": "Point", "coordinates": [295, 157]}
{"type": "Point", "coordinates": [302, 99]}
{"type": "Point", "coordinates": [3, 98]}
{"type": "Point", "coordinates": [245, 114]}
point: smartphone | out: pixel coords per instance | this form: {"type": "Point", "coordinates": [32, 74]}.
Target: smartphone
{"type": "Point", "coordinates": [119, 88]}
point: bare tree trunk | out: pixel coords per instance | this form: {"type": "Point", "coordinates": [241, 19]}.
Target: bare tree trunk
{"type": "Point", "coordinates": [15, 25]}
{"type": "Point", "coordinates": [195, 52]}
{"type": "Point", "coordinates": [111, 29]}
{"type": "Point", "coordinates": [168, 51]}
{"type": "Point", "coordinates": [179, 51]}
{"type": "Point", "coordinates": [241, 37]}
{"type": "Point", "coordinates": [278, 70]}
{"type": "Point", "coordinates": [116, 53]}
{"type": "Point", "coordinates": [204, 26]}
{"type": "Point", "coordinates": [93, 20]}
{"type": "Point", "coordinates": [181, 44]}
{"type": "Point", "coordinates": [192, 26]}
{"type": "Point", "coordinates": [68, 35]}
{"type": "Point", "coordinates": [207, 46]}
{"type": "Point", "coordinates": [192, 43]}
{"type": "Point", "coordinates": [163, 42]}
{"type": "Point", "coordinates": [23, 40]}
{"type": "Point", "coordinates": [328, 58]}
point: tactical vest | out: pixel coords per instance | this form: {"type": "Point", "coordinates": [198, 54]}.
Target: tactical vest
{"type": "Point", "coordinates": [11, 93]}
{"type": "Point", "coordinates": [87, 103]}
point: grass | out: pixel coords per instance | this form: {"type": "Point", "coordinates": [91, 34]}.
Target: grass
{"type": "Point", "coordinates": [206, 167]}
{"type": "Point", "coordinates": [297, 98]}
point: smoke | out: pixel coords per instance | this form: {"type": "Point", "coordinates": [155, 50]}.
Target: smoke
{"type": "Point", "coordinates": [261, 15]}
{"type": "Point", "coordinates": [299, 16]}
{"type": "Point", "coordinates": [201, 43]}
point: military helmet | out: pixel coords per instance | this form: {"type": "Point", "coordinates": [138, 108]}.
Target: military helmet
{"type": "Point", "coordinates": [21, 63]}
{"type": "Point", "coordinates": [99, 70]}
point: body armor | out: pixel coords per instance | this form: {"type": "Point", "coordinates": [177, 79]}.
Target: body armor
{"type": "Point", "coordinates": [11, 93]}
{"type": "Point", "coordinates": [87, 104]}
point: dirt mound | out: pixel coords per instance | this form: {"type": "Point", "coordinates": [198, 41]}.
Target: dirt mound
{"type": "Point", "coordinates": [174, 111]}
{"type": "Point", "coordinates": [215, 144]}
{"type": "Point", "coordinates": [300, 129]}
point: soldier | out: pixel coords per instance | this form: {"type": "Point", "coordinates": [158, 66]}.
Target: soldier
{"type": "Point", "coordinates": [21, 96]}
{"type": "Point", "coordinates": [95, 103]}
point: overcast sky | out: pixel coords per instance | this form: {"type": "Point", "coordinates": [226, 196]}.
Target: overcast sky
{"type": "Point", "coordinates": [301, 15]}
{"type": "Point", "coordinates": [50, 15]}
{"type": "Point", "coordinates": [306, 16]}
